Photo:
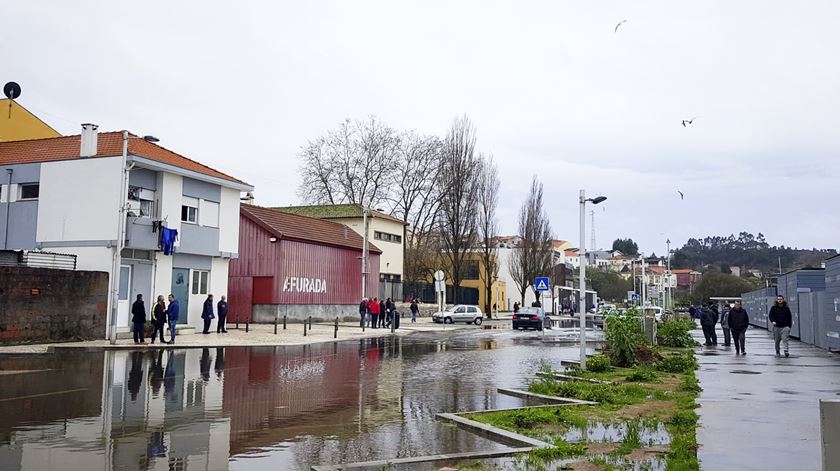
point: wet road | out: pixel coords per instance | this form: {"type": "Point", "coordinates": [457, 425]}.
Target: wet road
{"type": "Point", "coordinates": [259, 408]}
{"type": "Point", "coordinates": [759, 412]}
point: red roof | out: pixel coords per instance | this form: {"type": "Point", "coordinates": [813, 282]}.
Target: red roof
{"type": "Point", "coordinates": [682, 271]}
{"type": "Point", "coordinates": [285, 225]}
{"type": "Point", "coordinates": [109, 144]}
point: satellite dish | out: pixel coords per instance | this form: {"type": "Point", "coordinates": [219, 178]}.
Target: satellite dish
{"type": "Point", "coordinates": [11, 90]}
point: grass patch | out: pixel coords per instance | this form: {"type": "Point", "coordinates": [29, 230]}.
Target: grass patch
{"type": "Point", "coordinates": [642, 375]}
{"type": "Point", "coordinates": [621, 394]}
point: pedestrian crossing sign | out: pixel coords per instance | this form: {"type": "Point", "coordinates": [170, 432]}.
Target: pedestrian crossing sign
{"type": "Point", "coordinates": [541, 283]}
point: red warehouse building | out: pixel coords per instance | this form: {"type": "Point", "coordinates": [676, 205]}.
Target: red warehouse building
{"type": "Point", "coordinates": [297, 266]}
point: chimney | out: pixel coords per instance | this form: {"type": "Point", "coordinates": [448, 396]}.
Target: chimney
{"type": "Point", "coordinates": [89, 140]}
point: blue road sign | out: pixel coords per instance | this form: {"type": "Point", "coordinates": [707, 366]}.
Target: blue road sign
{"type": "Point", "coordinates": [542, 283]}
{"type": "Point", "coordinates": [634, 297]}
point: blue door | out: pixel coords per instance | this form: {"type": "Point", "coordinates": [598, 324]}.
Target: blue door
{"type": "Point", "coordinates": [181, 290]}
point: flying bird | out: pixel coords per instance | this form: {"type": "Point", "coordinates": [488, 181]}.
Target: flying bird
{"type": "Point", "coordinates": [682, 196]}
{"type": "Point", "coordinates": [619, 24]}
{"type": "Point", "coordinates": [688, 121]}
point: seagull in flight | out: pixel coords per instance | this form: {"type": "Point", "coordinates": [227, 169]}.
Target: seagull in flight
{"type": "Point", "coordinates": [682, 196]}
{"type": "Point", "coordinates": [688, 121]}
{"type": "Point", "coordinates": [619, 24]}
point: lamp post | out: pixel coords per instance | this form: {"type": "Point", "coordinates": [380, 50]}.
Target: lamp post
{"type": "Point", "coordinates": [582, 294]}
{"type": "Point", "coordinates": [117, 258]}
{"type": "Point", "coordinates": [365, 212]}
{"type": "Point", "coordinates": [668, 289]}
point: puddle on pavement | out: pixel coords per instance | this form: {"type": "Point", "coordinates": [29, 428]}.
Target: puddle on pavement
{"type": "Point", "coordinates": [745, 372]}
{"type": "Point", "coordinates": [647, 433]}
{"type": "Point", "coordinates": [258, 408]}
{"type": "Point", "coordinates": [785, 391]}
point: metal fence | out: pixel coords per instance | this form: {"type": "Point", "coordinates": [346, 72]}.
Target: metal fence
{"type": "Point", "coordinates": [425, 292]}
{"type": "Point", "coordinates": [37, 259]}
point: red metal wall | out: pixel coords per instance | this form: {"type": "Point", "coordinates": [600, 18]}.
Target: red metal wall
{"type": "Point", "coordinates": [258, 257]}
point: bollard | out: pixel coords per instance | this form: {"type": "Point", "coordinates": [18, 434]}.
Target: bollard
{"type": "Point", "coordinates": [284, 322]}
{"type": "Point", "coordinates": [335, 335]}
{"type": "Point", "coordinates": [304, 328]}
{"type": "Point", "coordinates": [310, 323]}
{"type": "Point", "coordinates": [275, 325]}
{"type": "Point", "coordinates": [830, 433]}
{"type": "Point", "coordinates": [237, 322]}
{"type": "Point", "coordinates": [247, 321]}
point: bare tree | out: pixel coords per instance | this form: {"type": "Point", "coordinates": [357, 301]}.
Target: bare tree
{"type": "Point", "coordinates": [488, 227]}
{"type": "Point", "coordinates": [352, 164]}
{"type": "Point", "coordinates": [459, 198]}
{"type": "Point", "coordinates": [534, 256]}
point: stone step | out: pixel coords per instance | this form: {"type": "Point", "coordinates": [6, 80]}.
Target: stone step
{"type": "Point", "coordinates": [123, 334]}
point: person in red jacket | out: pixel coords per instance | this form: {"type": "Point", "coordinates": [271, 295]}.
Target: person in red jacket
{"type": "Point", "coordinates": [374, 312]}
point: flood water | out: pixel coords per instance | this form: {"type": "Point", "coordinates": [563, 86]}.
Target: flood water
{"type": "Point", "coordinates": [259, 408]}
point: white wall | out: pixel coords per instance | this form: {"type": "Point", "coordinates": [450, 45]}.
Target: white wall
{"type": "Point", "coordinates": [391, 260]}
{"type": "Point", "coordinates": [229, 221]}
{"type": "Point", "coordinates": [79, 200]}
{"type": "Point", "coordinates": [170, 194]}
{"type": "Point", "coordinates": [162, 276]}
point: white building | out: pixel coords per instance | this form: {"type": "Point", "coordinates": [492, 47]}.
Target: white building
{"type": "Point", "coordinates": [64, 195]}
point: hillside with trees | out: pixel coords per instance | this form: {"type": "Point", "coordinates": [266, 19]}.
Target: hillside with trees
{"type": "Point", "coordinates": [746, 250]}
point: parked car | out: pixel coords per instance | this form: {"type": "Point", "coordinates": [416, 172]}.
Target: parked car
{"type": "Point", "coordinates": [530, 318]}
{"type": "Point", "coordinates": [459, 313]}
{"type": "Point", "coordinates": [655, 311]}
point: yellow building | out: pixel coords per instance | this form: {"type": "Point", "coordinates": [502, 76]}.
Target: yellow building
{"type": "Point", "coordinates": [474, 278]}
{"type": "Point", "coordinates": [18, 124]}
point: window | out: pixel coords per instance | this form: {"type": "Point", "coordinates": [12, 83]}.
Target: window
{"type": "Point", "coordinates": [209, 212]}
{"type": "Point", "coordinates": [469, 270]}
{"type": "Point", "coordinates": [29, 191]}
{"type": "Point", "coordinates": [141, 202]}
{"type": "Point", "coordinates": [387, 237]}
{"type": "Point", "coordinates": [390, 278]}
{"type": "Point", "coordinates": [189, 210]}
{"type": "Point", "coordinates": [200, 281]}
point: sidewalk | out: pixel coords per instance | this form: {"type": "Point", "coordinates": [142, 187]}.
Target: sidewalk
{"type": "Point", "coordinates": [759, 412]}
{"type": "Point", "coordinates": [258, 335]}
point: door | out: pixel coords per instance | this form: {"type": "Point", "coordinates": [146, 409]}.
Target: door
{"type": "Point", "coordinates": [123, 301]}
{"type": "Point", "coordinates": [459, 314]}
{"type": "Point", "coordinates": [181, 290]}
{"type": "Point", "coordinates": [472, 313]}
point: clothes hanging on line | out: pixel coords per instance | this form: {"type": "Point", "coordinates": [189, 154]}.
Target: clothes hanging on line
{"type": "Point", "coordinates": [167, 240]}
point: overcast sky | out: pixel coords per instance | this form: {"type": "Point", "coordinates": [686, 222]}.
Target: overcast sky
{"type": "Point", "coordinates": [550, 87]}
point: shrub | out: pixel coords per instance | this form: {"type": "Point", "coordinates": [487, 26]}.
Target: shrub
{"type": "Point", "coordinates": [690, 384]}
{"type": "Point", "coordinates": [624, 336]}
{"type": "Point", "coordinates": [598, 363]}
{"type": "Point", "coordinates": [684, 419]}
{"type": "Point", "coordinates": [681, 363]}
{"type": "Point", "coordinates": [676, 333]}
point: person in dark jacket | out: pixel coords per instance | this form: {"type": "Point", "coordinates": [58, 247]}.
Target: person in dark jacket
{"type": "Point", "coordinates": [739, 320]}
{"type": "Point", "coordinates": [363, 311]}
{"type": "Point", "coordinates": [222, 310]}
{"type": "Point", "coordinates": [414, 310]}
{"type": "Point", "coordinates": [158, 319]}
{"type": "Point", "coordinates": [782, 321]}
{"type": "Point", "coordinates": [172, 314]}
{"type": "Point", "coordinates": [207, 313]}
{"type": "Point", "coordinates": [390, 309]}
{"type": "Point", "coordinates": [383, 311]}
{"type": "Point", "coordinates": [138, 318]}
{"type": "Point", "coordinates": [708, 319]}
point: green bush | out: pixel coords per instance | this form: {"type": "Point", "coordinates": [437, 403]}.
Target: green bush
{"type": "Point", "coordinates": [684, 419]}
{"type": "Point", "coordinates": [690, 384]}
{"type": "Point", "coordinates": [681, 363]}
{"type": "Point", "coordinates": [624, 336]}
{"type": "Point", "coordinates": [622, 394]}
{"type": "Point", "coordinates": [676, 333]}
{"type": "Point", "coordinates": [598, 363]}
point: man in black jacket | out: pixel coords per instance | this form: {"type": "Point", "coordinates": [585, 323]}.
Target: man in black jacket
{"type": "Point", "coordinates": [708, 319]}
{"type": "Point", "coordinates": [138, 318]}
{"type": "Point", "coordinates": [222, 310]}
{"type": "Point", "coordinates": [782, 321]}
{"type": "Point", "coordinates": [738, 323]}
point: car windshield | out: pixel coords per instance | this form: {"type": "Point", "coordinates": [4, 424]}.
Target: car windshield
{"type": "Point", "coordinates": [530, 310]}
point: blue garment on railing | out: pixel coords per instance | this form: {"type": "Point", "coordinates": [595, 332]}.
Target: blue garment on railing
{"type": "Point", "coordinates": [167, 240]}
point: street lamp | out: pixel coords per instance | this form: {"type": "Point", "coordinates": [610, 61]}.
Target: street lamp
{"type": "Point", "coordinates": [117, 259]}
{"type": "Point", "coordinates": [582, 294]}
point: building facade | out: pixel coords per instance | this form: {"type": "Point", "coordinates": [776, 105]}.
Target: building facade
{"type": "Point", "coordinates": [66, 195]}
{"type": "Point", "coordinates": [297, 266]}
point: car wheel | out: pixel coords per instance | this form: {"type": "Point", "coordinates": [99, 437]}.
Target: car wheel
{"type": "Point", "coordinates": [540, 328]}
{"type": "Point", "coordinates": [477, 321]}
{"type": "Point", "coordinates": [447, 320]}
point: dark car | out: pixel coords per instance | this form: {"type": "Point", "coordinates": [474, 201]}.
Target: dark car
{"type": "Point", "coordinates": [529, 318]}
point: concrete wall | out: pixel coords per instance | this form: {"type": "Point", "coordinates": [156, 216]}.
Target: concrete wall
{"type": "Point", "coordinates": [68, 305]}
{"type": "Point", "coordinates": [229, 221]}
{"type": "Point", "coordinates": [265, 313]}
{"type": "Point", "coordinates": [23, 215]}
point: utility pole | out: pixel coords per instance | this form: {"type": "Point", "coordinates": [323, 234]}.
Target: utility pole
{"type": "Point", "coordinates": [669, 301]}
{"type": "Point", "coordinates": [364, 251]}
{"type": "Point", "coordinates": [592, 245]}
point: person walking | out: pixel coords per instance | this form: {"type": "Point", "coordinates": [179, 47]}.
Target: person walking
{"type": "Point", "coordinates": [515, 307]}
{"type": "Point", "coordinates": [391, 311]}
{"type": "Point", "coordinates": [382, 312]}
{"type": "Point", "coordinates": [782, 321]}
{"type": "Point", "coordinates": [374, 313]}
{"type": "Point", "coordinates": [207, 313]}
{"type": "Point", "coordinates": [138, 318]}
{"type": "Point", "coordinates": [158, 319]}
{"type": "Point", "coordinates": [363, 308]}
{"type": "Point", "coordinates": [222, 310]}
{"type": "Point", "coordinates": [708, 319]}
{"type": "Point", "coordinates": [724, 323]}
{"type": "Point", "coordinates": [739, 320]}
{"type": "Point", "coordinates": [173, 314]}
{"type": "Point", "coordinates": [414, 310]}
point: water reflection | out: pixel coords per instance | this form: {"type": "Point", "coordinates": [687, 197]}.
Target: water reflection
{"type": "Point", "coordinates": [253, 408]}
